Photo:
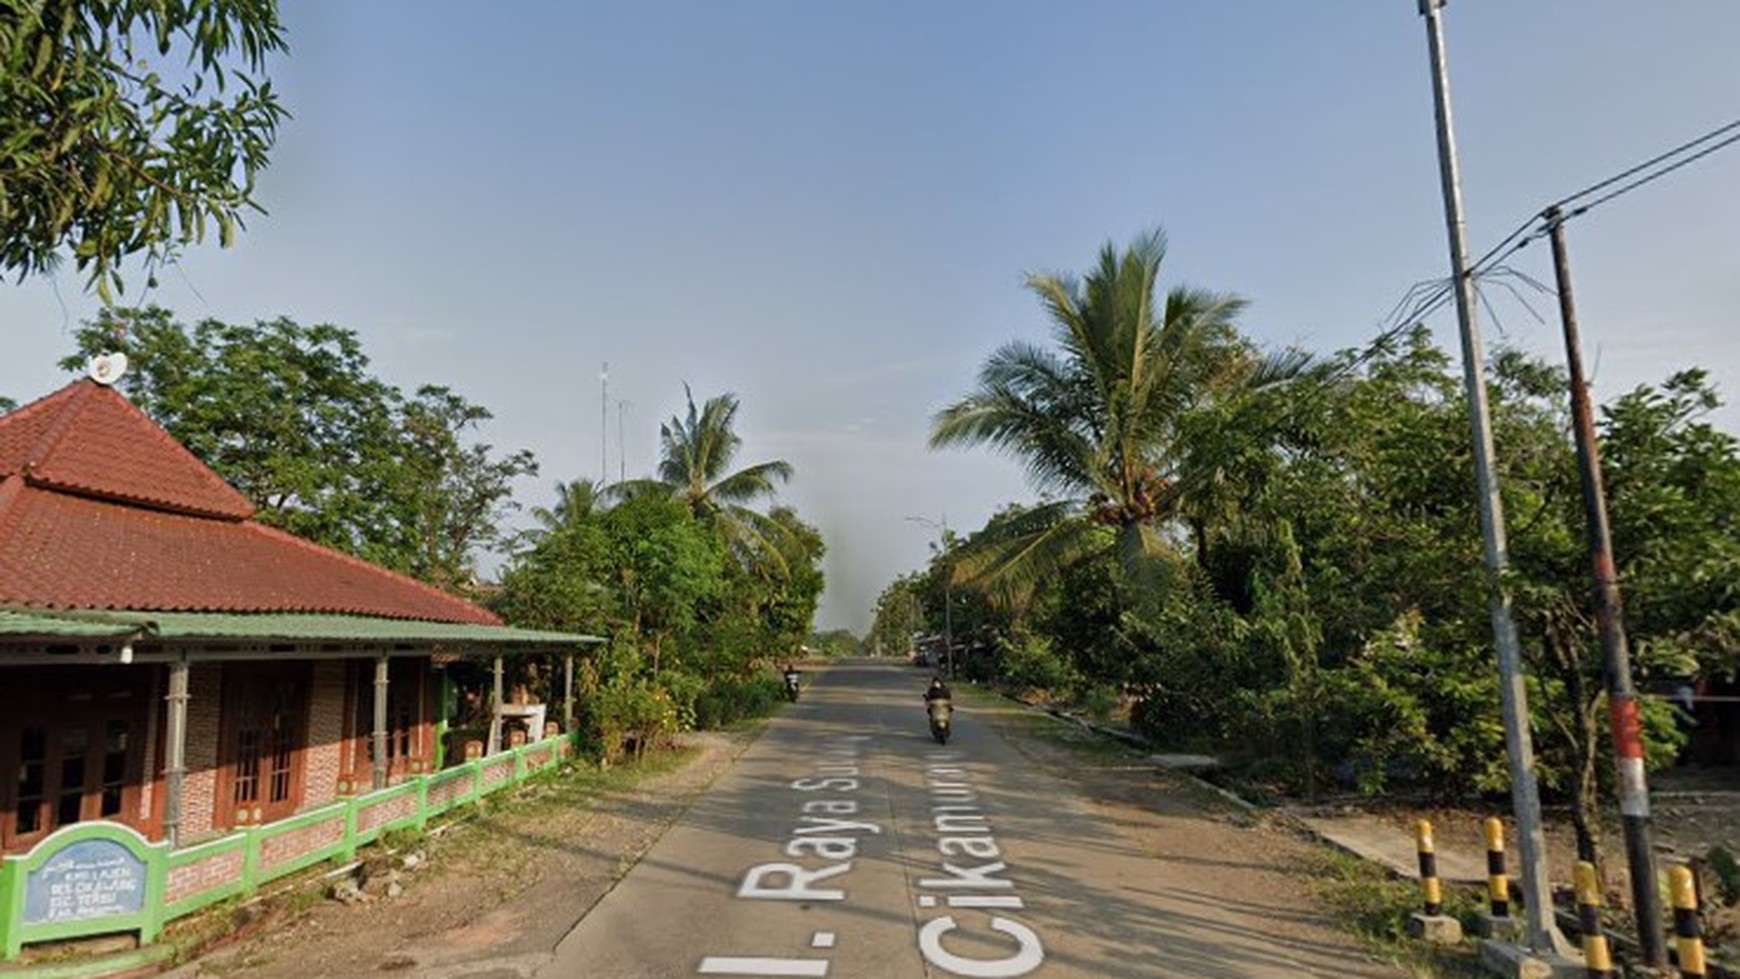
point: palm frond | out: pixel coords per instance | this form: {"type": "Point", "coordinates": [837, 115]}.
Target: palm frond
{"type": "Point", "coordinates": [755, 539]}
{"type": "Point", "coordinates": [634, 489]}
{"type": "Point", "coordinates": [1010, 557]}
{"type": "Point", "coordinates": [751, 483]}
{"type": "Point", "coordinates": [1027, 405]}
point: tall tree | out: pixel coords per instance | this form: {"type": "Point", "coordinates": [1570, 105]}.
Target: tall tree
{"type": "Point", "coordinates": [1098, 421]}
{"type": "Point", "coordinates": [130, 126]}
{"type": "Point", "coordinates": [294, 418]}
{"type": "Point", "coordinates": [459, 490]}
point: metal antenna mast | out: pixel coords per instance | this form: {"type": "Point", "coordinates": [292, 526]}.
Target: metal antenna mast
{"type": "Point", "coordinates": [621, 444]}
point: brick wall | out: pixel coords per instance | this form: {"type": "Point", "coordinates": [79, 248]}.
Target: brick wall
{"type": "Point", "coordinates": [306, 839]}
{"type": "Point", "coordinates": [324, 760]}
{"type": "Point", "coordinates": [205, 686]}
{"type": "Point", "coordinates": [382, 813]}
{"type": "Point", "coordinates": [202, 875]}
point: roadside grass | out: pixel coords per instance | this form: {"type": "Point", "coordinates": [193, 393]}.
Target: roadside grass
{"type": "Point", "coordinates": [1370, 903]}
{"type": "Point", "coordinates": [1046, 728]}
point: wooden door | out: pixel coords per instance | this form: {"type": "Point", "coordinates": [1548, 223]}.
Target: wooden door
{"type": "Point", "coordinates": [265, 732]}
{"type": "Point", "coordinates": [75, 739]}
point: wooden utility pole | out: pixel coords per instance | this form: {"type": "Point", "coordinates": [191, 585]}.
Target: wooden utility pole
{"type": "Point", "coordinates": [1610, 619]}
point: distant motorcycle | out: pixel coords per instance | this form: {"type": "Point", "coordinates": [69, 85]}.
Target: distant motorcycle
{"type": "Point", "coordinates": [942, 711]}
{"type": "Point", "coordinates": [791, 685]}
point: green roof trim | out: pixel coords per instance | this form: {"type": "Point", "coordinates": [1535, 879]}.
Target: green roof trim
{"type": "Point", "coordinates": [274, 626]}
{"type": "Point", "coordinates": [29, 625]}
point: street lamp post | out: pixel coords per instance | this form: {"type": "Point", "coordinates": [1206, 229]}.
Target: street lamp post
{"type": "Point", "coordinates": [948, 593]}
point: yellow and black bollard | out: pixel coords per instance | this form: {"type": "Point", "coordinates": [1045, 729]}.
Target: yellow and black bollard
{"type": "Point", "coordinates": [1687, 937]}
{"type": "Point", "coordinates": [1496, 922]}
{"type": "Point", "coordinates": [1497, 881]}
{"type": "Point", "coordinates": [1431, 923]}
{"type": "Point", "coordinates": [1597, 957]}
{"type": "Point", "coordinates": [1431, 888]}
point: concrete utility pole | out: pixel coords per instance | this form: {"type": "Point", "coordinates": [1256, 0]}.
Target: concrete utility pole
{"type": "Point", "coordinates": [1615, 656]}
{"type": "Point", "coordinates": [948, 593]}
{"type": "Point", "coordinates": [1519, 746]}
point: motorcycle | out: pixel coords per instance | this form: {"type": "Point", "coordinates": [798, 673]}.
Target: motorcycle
{"type": "Point", "coordinates": [942, 712]}
{"type": "Point", "coordinates": [791, 685]}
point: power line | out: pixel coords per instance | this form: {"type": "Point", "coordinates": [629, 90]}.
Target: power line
{"type": "Point", "coordinates": [1428, 297]}
{"type": "Point", "coordinates": [1521, 238]}
{"type": "Point", "coordinates": [1565, 202]}
{"type": "Point", "coordinates": [1657, 175]}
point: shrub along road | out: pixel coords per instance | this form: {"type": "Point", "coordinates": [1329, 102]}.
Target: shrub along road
{"type": "Point", "coordinates": [846, 843]}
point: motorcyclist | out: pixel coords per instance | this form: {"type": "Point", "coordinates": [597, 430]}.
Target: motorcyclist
{"type": "Point", "coordinates": [938, 690]}
{"type": "Point", "coordinates": [939, 704]}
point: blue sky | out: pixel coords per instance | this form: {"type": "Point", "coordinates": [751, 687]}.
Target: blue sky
{"type": "Point", "coordinates": [827, 208]}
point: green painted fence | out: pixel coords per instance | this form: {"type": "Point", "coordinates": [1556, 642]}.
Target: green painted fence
{"type": "Point", "coordinates": [99, 878]}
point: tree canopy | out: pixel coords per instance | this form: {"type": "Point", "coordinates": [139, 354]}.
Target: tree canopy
{"type": "Point", "coordinates": [699, 592]}
{"type": "Point", "coordinates": [293, 417]}
{"type": "Point", "coordinates": [1308, 596]}
{"type": "Point", "coordinates": [130, 127]}
{"type": "Point", "coordinates": [1099, 419]}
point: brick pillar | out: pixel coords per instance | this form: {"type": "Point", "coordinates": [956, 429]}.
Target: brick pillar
{"type": "Point", "coordinates": [205, 684]}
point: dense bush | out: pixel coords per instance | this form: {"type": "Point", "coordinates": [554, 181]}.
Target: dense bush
{"type": "Point", "coordinates": [628, 715]}
{"type": "Point", "coordinates": [728, 700]}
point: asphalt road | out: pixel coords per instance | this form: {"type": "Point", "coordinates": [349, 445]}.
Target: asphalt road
{"type": "Point", "coordinates": [847, 843]}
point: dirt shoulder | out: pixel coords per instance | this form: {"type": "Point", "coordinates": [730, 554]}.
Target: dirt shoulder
{"type": "Point", "coordinates": [1295, 892]}
{"type": "Point", "coordinates": [496, 893]}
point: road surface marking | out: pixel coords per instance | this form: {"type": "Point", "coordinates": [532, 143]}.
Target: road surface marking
{"type": "Point", "coordinates": [964, 830]}
{"type": "Point", "coordinates": [823, 939]}
{"type": "Point", "coordinates": [727, 965]}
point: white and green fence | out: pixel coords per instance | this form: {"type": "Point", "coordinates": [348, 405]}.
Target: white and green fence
{"type": "Point", "coordinates": [99, 878]}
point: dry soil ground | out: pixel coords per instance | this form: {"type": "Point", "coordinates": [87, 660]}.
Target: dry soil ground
{"type": "Point", "coordinates": [499, 891]}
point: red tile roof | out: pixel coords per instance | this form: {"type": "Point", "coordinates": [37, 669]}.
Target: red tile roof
{"type": "Point", "coordinates": [102, 509]}
{"type": "Point", "coordinates": [87, 439]}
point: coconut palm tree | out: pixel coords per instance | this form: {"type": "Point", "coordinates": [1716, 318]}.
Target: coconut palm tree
{"type": "Point", "coordinates": [1101, 419]}
{"type": "Point", "coordinates": [697, 451]}
{"type": "Point", "coordinates": [575, 501]}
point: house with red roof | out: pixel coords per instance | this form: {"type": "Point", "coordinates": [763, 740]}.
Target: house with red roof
{"type": "Point", "coordinates": [193, 702]}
